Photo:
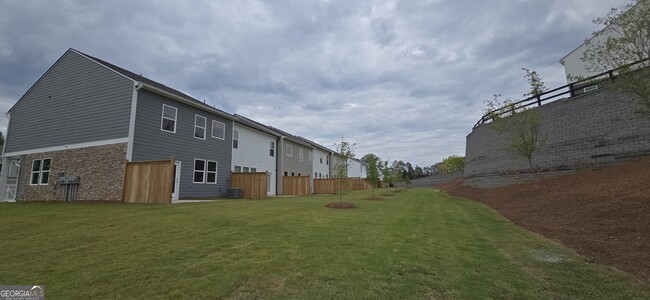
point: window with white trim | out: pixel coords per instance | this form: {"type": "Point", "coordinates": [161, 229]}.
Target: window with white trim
{"type": "Point", "coordinates": [272, 149]}
{"type": "Point", "coordinates": [237, 169]}
{"type": "Point", "coordinates": [289, 150]}
{"type": "Point", "coordinates": [168, 119]}
{"type": "Point", "coordinates": [246, 169]}
{"type": "Point", "coordinates": [199, 127]}
{"type": "Point", "coordinates": [301, 155]}
{"type": "Point", "coordinates": [199, 171]}
{"type": "Point", "coordinates": [40, 171]}
{"type": "Point", "coordinates": [211, 172]}
{"type": "Point", "coordinates": [235, 139]}
{"type": "Point", "coordinates": [218, 130]}
{"type": "Point", "coordinates": [327, 160]}
{"type": "Point", "coordinates": [253, 170]}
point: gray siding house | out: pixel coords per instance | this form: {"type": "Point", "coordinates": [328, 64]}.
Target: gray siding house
{"type": "Point", "coordinates": [294, 157]}
{"type": "Point", "coordinates": [86, 117]}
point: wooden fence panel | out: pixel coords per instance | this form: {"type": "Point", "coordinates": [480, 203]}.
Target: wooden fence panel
{"type": "Point", "coordinates": [333, 185]}
{"type": "Point", "coordinates": [296, 185]}
{"type": "Point", "coordinates": [252, 185]}
{"type": "Point", "coordinates": [325, 186]}
{"type": "Point", "coordinates": [148, 182]}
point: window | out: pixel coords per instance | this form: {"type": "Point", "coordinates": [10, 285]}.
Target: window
{"type": "Point", "coordinates": [199, 127]}
{"type": "Point", "coordinates": [293, 174]}
{"type": "Point", "coordinates": [299, 174]}
{"type": "Point", "coordinates": [286, 173]}
{"type": "Point", "coordinates": [321, 160]}
{"type": "Point", "coordinates": [235, 139]}
{"type": "Point", "coordinates": [246, 170]}
{"type": "Point", "coordinates": [237, 169]}
{"type": "Point", "coordinates": [218, 130]}
{"type": "Point", "coordinates": [272, 149]}
{"type": "Point", "coordinates": [301, 155]}
{"type": "Point", "coordinates": [315, 174]}
{"type": "Point", "coordinates": [289, 150]}
{"type": "Point", "coordinates": [40, 171]}
{"type": "Point", "coordinates": [211, 173]}
{"type": "Point", "coordinates": [168, 120]}
{"type": "Point", "coordinates": [328, 160]}
{"type": "Point", "coordinates": [253, 170]}
{"type": "Point", "coordinates": [199, 171]}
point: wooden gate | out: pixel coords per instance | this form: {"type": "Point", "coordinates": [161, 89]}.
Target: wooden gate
{"type": "Point", "coordinates": [296, 185]}
{"type": "Point", "coordinates": [148, 181]}
{"type": "Point", "coordinates": [252, 185]}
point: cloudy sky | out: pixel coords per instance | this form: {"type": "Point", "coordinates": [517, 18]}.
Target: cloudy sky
{"type": "Point", "coordinates": [403, 79]}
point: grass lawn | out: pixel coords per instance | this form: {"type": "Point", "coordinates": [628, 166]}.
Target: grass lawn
{"type": "Point", "coordinates": [417, 244]}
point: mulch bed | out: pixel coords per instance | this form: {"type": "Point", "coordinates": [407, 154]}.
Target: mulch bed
{"type": "Point", "coordinates": [603, 214]}
{"type": "Point", "coordinates": [340, 205]}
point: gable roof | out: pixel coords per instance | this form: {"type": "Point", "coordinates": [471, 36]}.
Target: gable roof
{"type": "Point", "coordinates": [157, 87]}
{"type": "Point", "coordinates": [146, 83]}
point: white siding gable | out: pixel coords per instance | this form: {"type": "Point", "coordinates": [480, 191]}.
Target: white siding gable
{"type": "Point", "coordinates": [354, 168]}
{"type": "Point", "coordinates": [253, 152]}
{"type": "Point", "coordinates": [320, 166]}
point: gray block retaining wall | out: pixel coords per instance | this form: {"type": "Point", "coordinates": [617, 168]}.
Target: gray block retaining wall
{"type": "Point", "coordinates": [594, 129]}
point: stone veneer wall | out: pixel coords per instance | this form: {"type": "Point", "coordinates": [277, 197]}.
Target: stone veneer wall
{"type": "Point", "coordinates": [593, 129]}
{"type": "Point", "coordinates": [100, 168]}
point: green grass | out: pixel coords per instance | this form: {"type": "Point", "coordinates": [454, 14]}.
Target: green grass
{"type": "Point", "coordinates": [417, 244]}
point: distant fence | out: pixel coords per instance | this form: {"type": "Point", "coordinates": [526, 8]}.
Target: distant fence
{"type": "Point", "coordinates": [333, 185]}
{"type": "Point", "coordinates": [296, 185]}
{"type": "Point", "coordinates": [252, 185]}
{"type": "Point", "coordinates": [148, 181]}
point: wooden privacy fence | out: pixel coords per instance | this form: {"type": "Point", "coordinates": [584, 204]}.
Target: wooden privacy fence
{"type": "Point", "coordinates": [148, 181]}
{"type": "Point", "coordinates": [296, 185]}
{"type": "Point", "coordinates": [252, 185]}
{"type": "Point", "coordinates": [333, 185]}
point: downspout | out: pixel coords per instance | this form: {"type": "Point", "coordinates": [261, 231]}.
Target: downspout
{"type": "Point", "coordinates": [134, 107]}
{"type": "Point", "coordinates": [279, 173]}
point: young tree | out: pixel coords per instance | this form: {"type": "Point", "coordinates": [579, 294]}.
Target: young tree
{"type": "Point", "coordinates": [625, 39]}
{"type": "Point", "coordinates": [386, 172]}
{"type": "Point", "coordinates": [537, 86]}
{"type": "Point", "coordinates": [522, 133]}
{"type": "Point", "coordinates": [520, 126]}
{"type": "Point", "coordinates": [345, 151]}
{"type": "Point", "coordinates": [373, 172]}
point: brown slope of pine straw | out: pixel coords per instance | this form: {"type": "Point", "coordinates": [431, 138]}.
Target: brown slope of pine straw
{"type": "Point", "coordinates": [602, 213]}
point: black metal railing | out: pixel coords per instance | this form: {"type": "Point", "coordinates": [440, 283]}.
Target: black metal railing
{"type": "Point", "coordinates": [570, 89]}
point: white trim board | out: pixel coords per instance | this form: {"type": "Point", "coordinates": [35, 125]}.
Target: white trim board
{"type": "Point", "coordinates": [69, 146]}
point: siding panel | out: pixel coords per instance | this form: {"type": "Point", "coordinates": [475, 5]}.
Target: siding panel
{"type": "Point", "coordinates": [150, 143]}
{"type": "Point", "coordinates": [253, 151]}
{"type": "Point", "coordinates": [77, 101]}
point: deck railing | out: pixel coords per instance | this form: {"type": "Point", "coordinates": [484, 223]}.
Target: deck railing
{"type": "Point", "coordinates": [571, 89]}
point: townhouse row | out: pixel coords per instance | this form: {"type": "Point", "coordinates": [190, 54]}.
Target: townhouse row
{"type": "Point", "coordinates": [85, 118]}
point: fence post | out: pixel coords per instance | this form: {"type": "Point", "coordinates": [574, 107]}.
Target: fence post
{"type": "Point", "coordinates": [572, 92]}
{"type": "Point", "coordinates": [539, 100]}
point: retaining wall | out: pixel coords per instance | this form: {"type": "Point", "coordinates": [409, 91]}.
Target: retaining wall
{"type": "Point", "coordinates": [590, 130]}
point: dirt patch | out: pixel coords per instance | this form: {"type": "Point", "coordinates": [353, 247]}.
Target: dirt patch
{"type": "Point", "coordinates": [602, 213]}
{"type": "Point", "coordinates": [340, 205]}
{"type": "Point", "coordinates": [375, 198]}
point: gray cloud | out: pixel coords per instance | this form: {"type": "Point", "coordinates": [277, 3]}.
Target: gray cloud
{"type": "Point", "coordinates": [403, 79]}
